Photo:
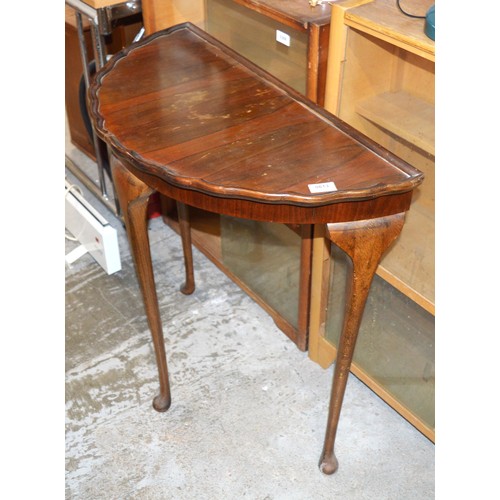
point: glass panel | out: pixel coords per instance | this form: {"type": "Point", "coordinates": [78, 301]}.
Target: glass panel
{"type": "Point", "coordinates": [253, 35]}
{"type": "Point", "coordinates": [395, 346]}
{"type": "Point", "coordinates": [266, 257]}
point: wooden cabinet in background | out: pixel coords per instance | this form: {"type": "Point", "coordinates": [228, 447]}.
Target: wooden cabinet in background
{"type": "Point", "coordinates": [381, 75]}
{"type": "Point", "coordinates": [252, 28]}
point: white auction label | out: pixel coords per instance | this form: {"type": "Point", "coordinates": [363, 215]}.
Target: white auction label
{"type": "Point", "coordinates": [323, 187]}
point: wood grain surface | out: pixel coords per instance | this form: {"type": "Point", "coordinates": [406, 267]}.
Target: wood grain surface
{"type": "Point", "coordinates": [184, 108]}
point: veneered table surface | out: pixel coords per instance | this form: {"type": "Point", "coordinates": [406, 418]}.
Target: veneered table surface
{"type": "Point", "coordinates": [184, 108]}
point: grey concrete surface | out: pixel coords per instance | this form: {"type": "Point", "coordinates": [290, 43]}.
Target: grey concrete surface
{"type": "Point", "coordinates": [248, 408]}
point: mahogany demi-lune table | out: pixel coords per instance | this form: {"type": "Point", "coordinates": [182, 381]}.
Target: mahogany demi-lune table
{"type": "Point", "coordinates": [185, 116]}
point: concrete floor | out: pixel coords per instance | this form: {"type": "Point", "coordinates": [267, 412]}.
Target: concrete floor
{"type": "Point", "coordinates": [248, 408]}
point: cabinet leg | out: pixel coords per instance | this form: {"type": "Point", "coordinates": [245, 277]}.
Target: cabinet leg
{"type": "Point", "coordinates": [185, 230]}
{"type": "Point", "coordinates": [133, 196]}
{"type": "Point", "coordinates": [365, 243]}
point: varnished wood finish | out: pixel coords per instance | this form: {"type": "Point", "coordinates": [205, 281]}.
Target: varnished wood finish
{"type": "Point", "coordinates": [306, 235]}
{"type": "Point", "coordinates": [274, 212]}
{"type": "Point", "coordinates": [297, 15]}
{"type": "Point", "coordinates": [185, 230]}
{"type": "Point", "coordinates": [188, 118]}
{"type": "Point", "coordinates": [202, 137]}
{"type": "Point", "coordinates": [317, 59]}
{"type": "Point", "coordinates": [364, 242]}
{"type": "Point", "coordinates": [133, 196]}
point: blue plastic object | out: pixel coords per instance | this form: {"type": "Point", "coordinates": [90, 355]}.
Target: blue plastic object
{"type": "Point", "coordinates": [430, 23]}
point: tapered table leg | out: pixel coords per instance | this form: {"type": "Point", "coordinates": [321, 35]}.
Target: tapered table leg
{"type": "Point", "coordinates": [185, 230]}
{"type": "Point", "coordinates": [365, 243]}
{"type": "Point", "coordinates": [133, 196]}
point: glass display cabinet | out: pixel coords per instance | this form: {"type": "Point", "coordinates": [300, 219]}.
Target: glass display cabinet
{"type": "Point", "coordinates": [381, 81]}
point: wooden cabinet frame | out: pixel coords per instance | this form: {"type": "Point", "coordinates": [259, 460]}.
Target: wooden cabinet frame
{"type": "Point", "coordinates": [398, 112]}
{"type": "Point", "coordinates": [160, 14]}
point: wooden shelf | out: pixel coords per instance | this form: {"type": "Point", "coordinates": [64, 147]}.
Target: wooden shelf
{"type": "Point", "coordinates": [381, 81]}
{"type": "Point", "coordinates": [382, 19]}
{"type": "Point", "coordinates": [409, 266]}
{"type": "Point", "coordinates": [402, 114]}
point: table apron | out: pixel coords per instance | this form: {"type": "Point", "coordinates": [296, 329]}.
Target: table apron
{"type": "Point", "coordinates": [342, 211]}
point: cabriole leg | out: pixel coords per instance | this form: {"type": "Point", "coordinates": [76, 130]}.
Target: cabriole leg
{"type": "Point", "coordinates": [364, 242]}
{"type": "Point", "coordinates": [133, 196]}
{"type": "Point", "coordinates": [185, 230]}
